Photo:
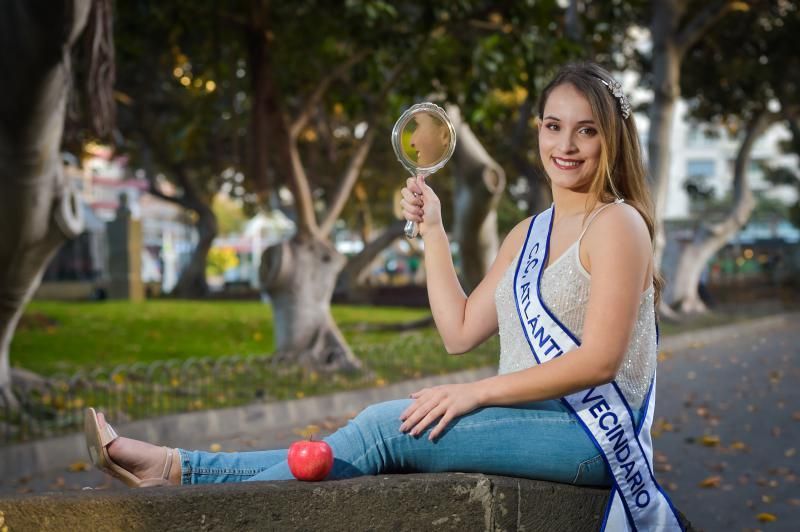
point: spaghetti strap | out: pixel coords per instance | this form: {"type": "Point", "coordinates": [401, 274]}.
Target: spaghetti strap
{"type": "Point", "coordinates": [595, 213]}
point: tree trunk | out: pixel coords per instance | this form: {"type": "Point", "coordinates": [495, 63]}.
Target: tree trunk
{"type": "Point", "coordinates": [479, 182]}
{"type": "Point", "coordinates": [299, 275]}
{"type": "Point", "coordinates": [192, 282]}
{"type": "Point", "coordinates": [666, 90]}
{"type": "Point", "coordinates": [710, 238]}
{"type": "Point", "coordinates": [36, 211]}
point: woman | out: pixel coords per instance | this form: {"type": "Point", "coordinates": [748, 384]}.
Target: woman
{"type": "Point", "coordinates": [589, 278]}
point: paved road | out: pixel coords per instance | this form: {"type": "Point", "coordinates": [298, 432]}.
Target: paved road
{"type": "Point", "coordinates": [727, 431]}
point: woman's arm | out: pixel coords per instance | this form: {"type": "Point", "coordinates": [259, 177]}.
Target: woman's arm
{"type": "Point", "coordinates": [463, 322]}
{"type": "Point", "coordinates": [619, 253]}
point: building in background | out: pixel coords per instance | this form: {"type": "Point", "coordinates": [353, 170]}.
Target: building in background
{"type": "Point", "coordinates": [79, 269]}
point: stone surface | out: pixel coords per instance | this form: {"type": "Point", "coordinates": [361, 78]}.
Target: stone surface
{"type": "Point", "coordinates": [445, 501]}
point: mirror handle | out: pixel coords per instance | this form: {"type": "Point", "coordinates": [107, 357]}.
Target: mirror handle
{"type": "Point", "coordinates": [411, 229]}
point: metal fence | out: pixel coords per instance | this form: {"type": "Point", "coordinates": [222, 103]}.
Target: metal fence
{"type": "Point", "coordinates": [124, 393]}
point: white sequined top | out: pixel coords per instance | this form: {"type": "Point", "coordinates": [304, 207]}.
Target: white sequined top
{"type": "Point", "coordinates": [565, 291]}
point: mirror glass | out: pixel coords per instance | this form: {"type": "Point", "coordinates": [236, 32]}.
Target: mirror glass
{"type": "Point", "coordinates": [423, 139]}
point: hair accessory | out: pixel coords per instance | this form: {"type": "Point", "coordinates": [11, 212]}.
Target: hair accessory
{"type": "Point", "coordinates": [615, 88]}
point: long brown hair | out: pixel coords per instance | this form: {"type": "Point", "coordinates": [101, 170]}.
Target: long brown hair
{"type": "Point", "coordinates": [620, 172]}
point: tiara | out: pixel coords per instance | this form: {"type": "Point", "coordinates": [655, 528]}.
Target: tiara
{"type": "Point", "coordinates": [615, 88]}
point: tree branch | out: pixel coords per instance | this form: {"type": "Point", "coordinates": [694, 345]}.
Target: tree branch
{"type": "Point", "coordinates": [301, 188]}
{"type": "Point", "coordinates": [190, 199]}
{"type": "Point", "coordinates": [313, 100]}
{"type": "Point", "coordinates": [572, 22]}
{"type": "Point", "coordinates": [704, 20]}
{"type": "Point", "coordinates": [348, 181]}
{"type": "Point", "coordinates": [359, 157]}
{"type": "Point", "coordinates": [154, 191]}
{"type": "Point", "coordinates": [356, 264]}
{"type": "Point", "coordinates": [742, 194]}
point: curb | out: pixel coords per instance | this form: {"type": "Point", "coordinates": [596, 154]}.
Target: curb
{"type": "Point", "coordinates": [181, 430]}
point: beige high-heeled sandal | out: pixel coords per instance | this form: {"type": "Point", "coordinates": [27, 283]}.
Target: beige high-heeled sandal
{"type": "Point", "coordinates": [97, 441]}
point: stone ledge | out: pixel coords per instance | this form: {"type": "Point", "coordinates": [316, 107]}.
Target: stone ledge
{"type": "Point", "coordinates": [414, 502]}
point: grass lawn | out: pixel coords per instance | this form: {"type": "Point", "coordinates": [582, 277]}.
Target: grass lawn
{"type": "Point", "coordinates": [58, 337]}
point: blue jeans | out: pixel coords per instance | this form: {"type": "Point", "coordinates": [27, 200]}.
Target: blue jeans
{"type": "Point", "coordinates": [540, 440]}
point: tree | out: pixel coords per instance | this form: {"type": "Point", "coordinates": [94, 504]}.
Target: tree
{"type": "Point", "coordinates": [675, 26]}
{"type": "Point", "coordinates": [181, 120]}
{"type": "Point", "coordinates": [737, 91]}
{"type": "Point", "coordinates": [37, 210]}
{"type": "Point", "coordinates": [355, 67]}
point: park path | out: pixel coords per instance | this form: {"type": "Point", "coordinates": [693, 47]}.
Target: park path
{"type": "Point", "coordinates": [726, 432]}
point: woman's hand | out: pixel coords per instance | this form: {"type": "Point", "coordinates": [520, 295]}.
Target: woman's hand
{"type": "Point", "coordinates": [420, 204]}
{"type": "Point", "coordinates": [446, 402]}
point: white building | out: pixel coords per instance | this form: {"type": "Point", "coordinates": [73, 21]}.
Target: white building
{"type": "Point", "coordinates": [712, 158]}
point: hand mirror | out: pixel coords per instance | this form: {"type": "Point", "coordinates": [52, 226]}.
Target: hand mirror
{"type": "Point", "coordinates": [423, 139]}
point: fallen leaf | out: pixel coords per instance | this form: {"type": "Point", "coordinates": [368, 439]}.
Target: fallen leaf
{"type": "Point", "coordinates": [788, 453]}
{"type": "Point", "coordinates": [776, 431]}
{"type": "Point", "coordinates": [306, 432]}
{"type": "Point", "coordinates": [78, 466]}
{"type": "Point", "coordinates": [739, 446]}
{"type": "Point", "coordinates": [767, 499]}
{"type": "Point", "coordinates": [710, 440]}
{"type": "Point", "coordinates": [215, 447]}
{"type": "Point", "coordinates": [796, 416]}
{"type": "Point", "coordinates": [718, 468]}
{"type": "Point", "coordinates": [764, 517]}
{"type": "Point", "coordinates": [711, 482]}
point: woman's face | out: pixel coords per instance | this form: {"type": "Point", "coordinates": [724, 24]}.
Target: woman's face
{"type": "Point", "coordinates": [429, 139]}
{"type": "Point", "coordinates": [569, 142]}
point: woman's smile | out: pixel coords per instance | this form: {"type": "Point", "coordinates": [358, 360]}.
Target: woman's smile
{"type": "Point", "coordinates": [566, 164]}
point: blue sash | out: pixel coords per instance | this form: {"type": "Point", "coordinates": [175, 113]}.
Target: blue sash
{"type": "Point", "coordinates": [636, 502]}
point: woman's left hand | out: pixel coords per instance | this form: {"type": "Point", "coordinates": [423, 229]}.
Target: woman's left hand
{"type": "Point", "coordinates": [446, 402]}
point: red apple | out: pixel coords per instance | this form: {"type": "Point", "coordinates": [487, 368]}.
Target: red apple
{"type": "Point", "coordinates": [310, 460]}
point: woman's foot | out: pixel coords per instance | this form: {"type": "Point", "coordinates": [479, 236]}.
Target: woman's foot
{"type": "Point", "coordinates": [142, 459]}
{"type": "Point", "coordinates": [137, 464]}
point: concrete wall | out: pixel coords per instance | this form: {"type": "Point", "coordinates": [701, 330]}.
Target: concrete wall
{"type": "Point", "coordinates": [448, 501]}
